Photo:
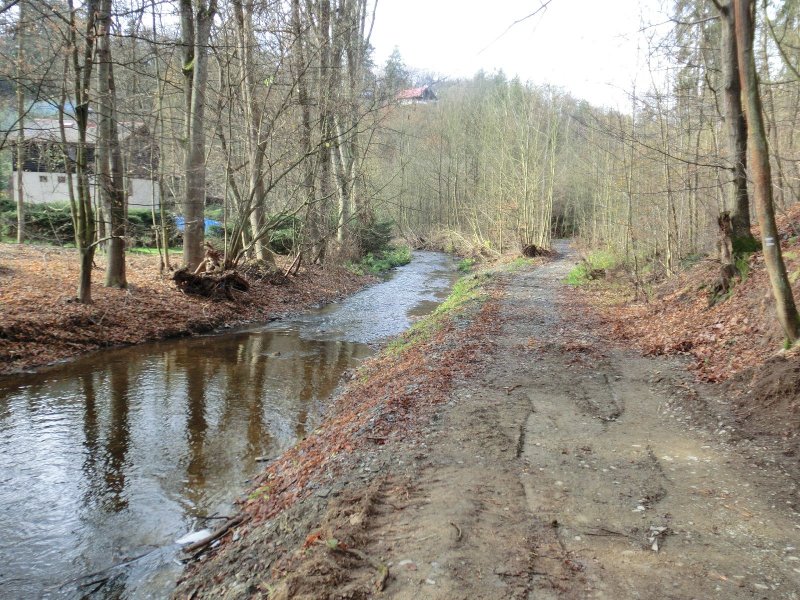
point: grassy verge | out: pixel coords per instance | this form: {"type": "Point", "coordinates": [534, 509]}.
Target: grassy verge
{"type": "Point", "coordinates": [153, 251]}
{"type": "Point", "coordinates": [468, 292]}
{"type": "Point", "coordinates": [382, 261]}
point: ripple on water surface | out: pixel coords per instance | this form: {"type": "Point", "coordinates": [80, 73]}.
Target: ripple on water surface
{"type": "Point", "coordinates": [117, 455]}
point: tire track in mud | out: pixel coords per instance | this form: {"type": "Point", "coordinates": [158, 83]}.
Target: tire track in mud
{"type": "Point", "coordinates": [630, 504]}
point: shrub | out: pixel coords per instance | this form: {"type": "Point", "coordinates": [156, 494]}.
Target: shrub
{"type": "Point", "coordinates": [383, 261]}
{"type": "Point", "coordinates": [283, 239]}
{"type": "Point", "coordinates": [466, 264]}
{"type": "Point", "coordinates": [375, 238]}
{"type": "Point", "coordinates": [52, 223]}
{"type": "Point", "coordinates": [590, 267]}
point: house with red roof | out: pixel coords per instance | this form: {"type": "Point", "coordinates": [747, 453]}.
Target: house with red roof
{"type": "Point", "coordinates": [417, 95]}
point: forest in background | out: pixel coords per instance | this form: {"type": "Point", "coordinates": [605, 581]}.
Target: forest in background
{"type": "Point", "coordinates": [274, 116]}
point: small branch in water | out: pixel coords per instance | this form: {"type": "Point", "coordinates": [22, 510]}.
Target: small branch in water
{"type": "Point", "coordinates": [214, 535]}
{"type": "Point", "coordinates": [212, 517]}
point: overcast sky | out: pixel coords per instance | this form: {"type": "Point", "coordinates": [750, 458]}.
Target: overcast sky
{"type": "Point", "coordinates": [592, 48]}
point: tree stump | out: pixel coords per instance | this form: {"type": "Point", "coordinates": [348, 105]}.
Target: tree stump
{"type": "Point", "coordinates": [217, 286]}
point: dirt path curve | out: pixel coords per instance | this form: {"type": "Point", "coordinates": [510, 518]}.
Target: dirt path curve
{"type": "Point", "coordinates": [566, 469]}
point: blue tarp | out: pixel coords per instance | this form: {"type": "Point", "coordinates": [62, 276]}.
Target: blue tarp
{"type": "Point", "coordinates": [180, 223]}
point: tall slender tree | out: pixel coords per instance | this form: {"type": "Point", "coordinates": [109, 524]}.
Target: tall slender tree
{"type": "Point", "coordinates": [110, 173]}
{"type": "Point", "coordinates": [197, 19]}
{"type": "Point", "coordinates": [734, 122]}
{"type": "Point", "coordinates": [760, 168]}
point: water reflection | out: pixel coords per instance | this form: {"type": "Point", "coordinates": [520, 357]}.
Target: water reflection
{"type": "Point", "coordinates": [115, 456]}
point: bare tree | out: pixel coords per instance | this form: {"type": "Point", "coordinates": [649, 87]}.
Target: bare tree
{"type": "Point", "coordinates": [20, 124]}
{"type": "Point", "coordinates": [196, 20]}
{"type": "Point", "coordinates": [760, 169]}
{"type": "Point", "coordinates": [734, 122]}
{"type": "Point", "coordinates": [109, 155]}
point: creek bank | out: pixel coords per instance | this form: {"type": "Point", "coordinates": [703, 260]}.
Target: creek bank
{"type": "Point", "coordinates": [302, 529]}
{"type": "Point", "coordinates": [514, 452]}
{"type": "Point", "coordinates": [41, 324]}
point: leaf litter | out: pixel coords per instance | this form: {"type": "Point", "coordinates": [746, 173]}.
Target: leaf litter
{"type": "Point", "coordinates": [40, 322]}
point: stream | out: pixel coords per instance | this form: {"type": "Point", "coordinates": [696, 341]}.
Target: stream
{"type": "Point", "coordinates": [107, 461]}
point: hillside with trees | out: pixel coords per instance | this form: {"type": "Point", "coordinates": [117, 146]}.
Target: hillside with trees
{"type": "Point", "coordinates": [269, 115]}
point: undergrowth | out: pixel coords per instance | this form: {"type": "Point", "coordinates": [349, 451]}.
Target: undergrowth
{"type": "Point", "coordinates": [374, 263]}
{"type": "Point", "coordinates": [465, 264]}
{"type": "Point", "coordinates": [595, 261]}
{"type": "Point", "coordinates": [743, 266]}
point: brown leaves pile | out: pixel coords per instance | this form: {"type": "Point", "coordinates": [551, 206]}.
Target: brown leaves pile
{"type": "Point", "coordinates": [40, 322]}
{"type": "Point", "coordinates": [722, 340]}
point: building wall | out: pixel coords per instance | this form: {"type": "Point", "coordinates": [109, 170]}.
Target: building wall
{"type": "Point", "coordinates": [43, 188]}
{"type": "Point", "coordinates": [143, 193]}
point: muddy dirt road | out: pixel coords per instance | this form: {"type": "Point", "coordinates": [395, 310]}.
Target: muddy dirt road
{"type": "Point", "coordinates": [565, 471]}
{"type": "Point", "coordinates": [562, 468]}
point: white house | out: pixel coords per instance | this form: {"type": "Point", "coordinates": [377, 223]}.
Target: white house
{"type": "Point", "coordinates": [44, 177]}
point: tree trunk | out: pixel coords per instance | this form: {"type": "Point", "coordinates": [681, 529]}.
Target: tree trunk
{"type": "Point", "coordinates": [736, 126]}
{"type": "Point", "coordinates": [760, 170]}
{"type": "Point", "coordinates": [21, 124]}
{"type": "Point", "coordinates": [301, 70]}
{"type": "Point", "coordinates": [196, 33]}
{"type": "Point", "coordinates": [83, 216]}
{"type": "Point", "coordinates": [256, 140]}
{"type": "Point", "coordinates": [110, 171]}
{"type": "Point", "coordinates": [85, 275]}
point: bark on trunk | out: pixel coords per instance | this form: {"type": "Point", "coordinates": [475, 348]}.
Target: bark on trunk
{"type": "Point", "coordinates": [736, 126]}
{"type": "Point", "coordinates": [196, 24]}
{"type": "Point", "coordinates": [256, 139]}
{"type": "Point", "coordinates": [21, 124]}
{"type": "Point", "coordinates": [83, 211]}
{"type": "Point", "coordinates": [301, 68]}
{"type": "Point", "coordinates": [760, 170]}
{"type": "Point", "coordinates": [110, 172]}
{"type": "Point", "coordinates": [85, 275]}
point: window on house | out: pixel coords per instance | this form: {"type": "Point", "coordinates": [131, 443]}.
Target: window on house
{"type": "Point", "coordinates": [62, 179]}
{"type": "Point", "coordinates": [43, 178]}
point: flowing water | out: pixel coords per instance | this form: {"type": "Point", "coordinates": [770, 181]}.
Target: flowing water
{"type": "Point", "coordinates": [107, 461]}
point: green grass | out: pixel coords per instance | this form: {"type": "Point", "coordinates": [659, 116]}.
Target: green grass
{"type": "Point", "coordinates": [152, 250]}
{"type": "Point", "coordinates": [518, 263]}
{"type": "Point", "coordinates": [743, 266]}
{"type": "Point", "coordinates": [465, 264]}
{"type": "Point", "coordinates": [599, 259]}
{"type": "Point", "coordinates": [382, 261]}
